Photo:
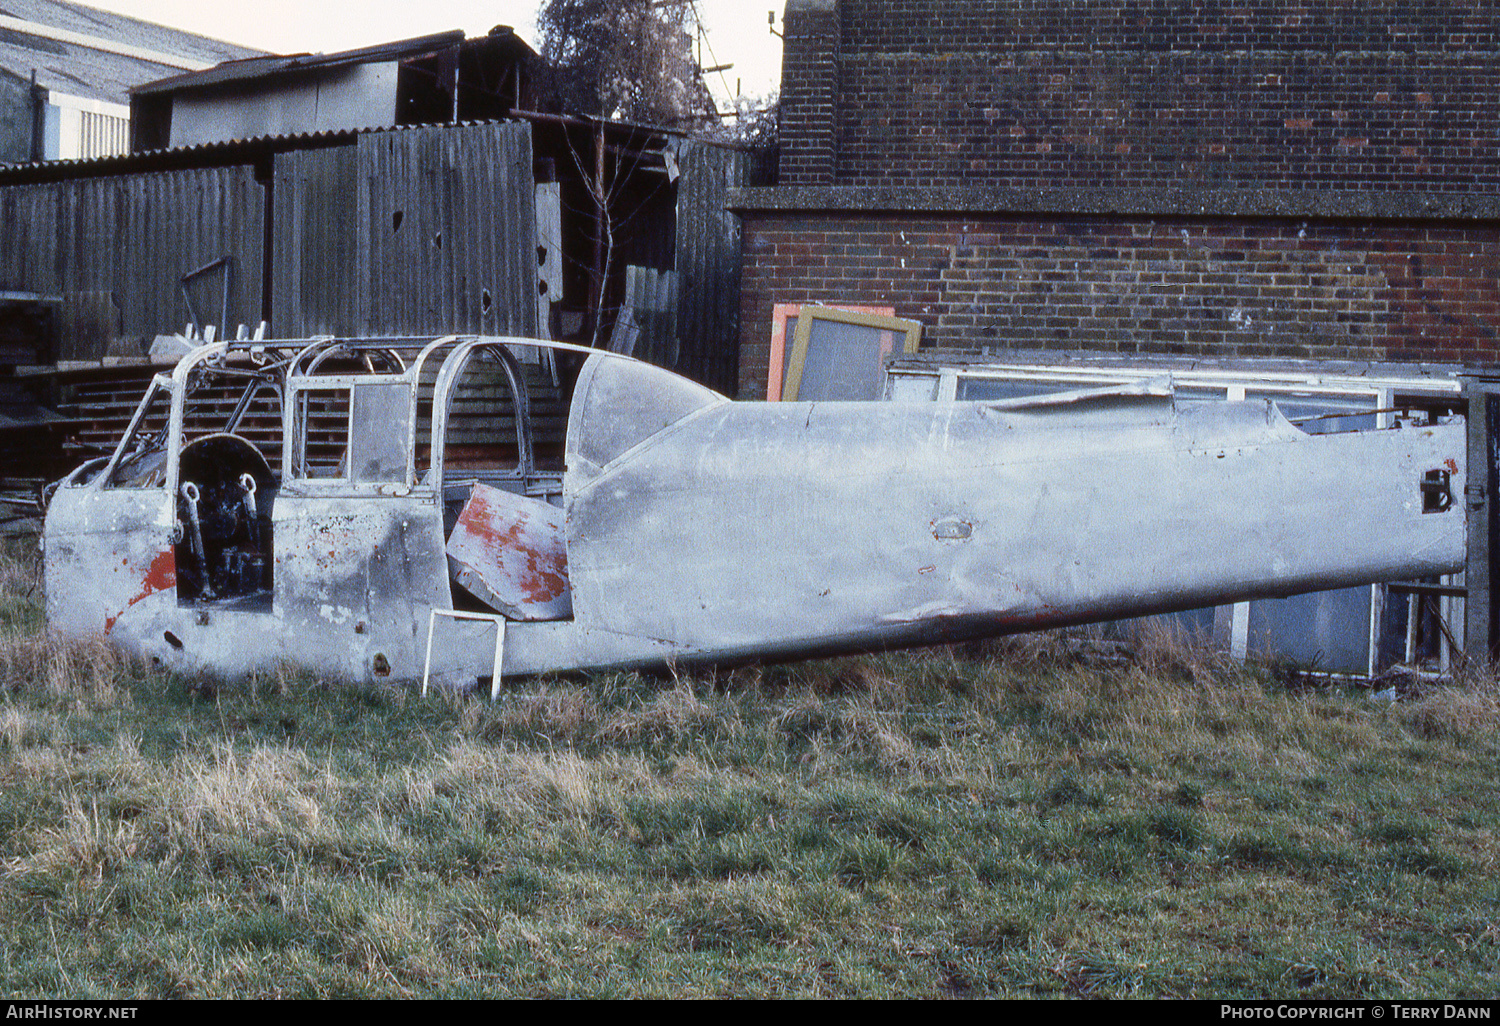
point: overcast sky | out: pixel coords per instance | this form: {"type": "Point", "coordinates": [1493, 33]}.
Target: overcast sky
{"type": "Point", "coordinates": [737, 32]}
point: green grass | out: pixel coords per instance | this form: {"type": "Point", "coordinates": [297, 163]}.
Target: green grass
{"type": "Point", "coordinates": [995, 821]}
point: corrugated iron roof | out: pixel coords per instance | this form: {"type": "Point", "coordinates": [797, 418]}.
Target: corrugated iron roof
{"type": "Point", "coordinates": [68, 64]}
{"type": "Point", "coordinates": [274, 65]}
{"type": "Point", "coordinates": [214, 154]}
{"type": "Point", "coordinates": [240, 151]}
{"type": "Point", "coordinates": [209, 154]}
{"type": "Point", "coordinates": [73, 17]}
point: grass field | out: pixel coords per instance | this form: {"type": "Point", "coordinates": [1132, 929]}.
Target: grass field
{"type": "Point", "coordinates": [1006, 822]}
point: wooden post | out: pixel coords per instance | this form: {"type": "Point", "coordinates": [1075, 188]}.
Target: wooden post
{"type": "Point", "coordinates": [601, 229]}
{"type": "Point", "coordinates": [1482, 517]}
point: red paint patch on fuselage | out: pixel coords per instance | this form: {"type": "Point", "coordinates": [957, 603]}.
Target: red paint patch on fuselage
{"type": "Point", "coordinates": [159, 576]}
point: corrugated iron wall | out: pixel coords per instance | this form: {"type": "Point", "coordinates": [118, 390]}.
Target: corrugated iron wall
{"type": "Point", "coordinates": [449, 231]}
{"type": "Point", "coordinates": [116, 247]}
{"type": "Point", "coordinates": [316, 215]}
{"type": "Point", "coordinates": [708, 265]}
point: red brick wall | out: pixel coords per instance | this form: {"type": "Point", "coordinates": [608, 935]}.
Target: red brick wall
{"type": "Point", "coordinates": [1331, 94]}
{"type": "Point", "coordinates": [809, 85]}
{"type": "Point", "coordinates": [1298, 179]}
{"type": "Point", "coordinates": [1216, 286]}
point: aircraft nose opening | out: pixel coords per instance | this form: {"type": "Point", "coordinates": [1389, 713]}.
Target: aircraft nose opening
{"type": "Point", "coordinates": [224, 506]}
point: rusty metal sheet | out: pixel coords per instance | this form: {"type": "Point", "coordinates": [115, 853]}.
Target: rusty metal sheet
{"type": "Point", "coordinates": [511, 554]}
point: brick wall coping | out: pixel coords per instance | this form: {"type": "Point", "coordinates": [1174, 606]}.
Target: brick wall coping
{"type": "Point", "coordinates": [1278, 203]}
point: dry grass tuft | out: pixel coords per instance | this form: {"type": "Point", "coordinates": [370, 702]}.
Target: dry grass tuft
{"type": "Point", "coordinates": [20, 568]}
{"type": "Point", "coordinates": [86, 845]}
{"type": "Point", "coordinates": [868, 731]}
{"type": "Point", "coordinates": [1167, 649]}
{"type": "Point", "coordinates": [873, 682]}
{"type": "Point", "coordinates": [61, 667]}
{"type": "Point", "coordinates": [529, 788]}
{"type": "Point", "coordinates": [671, 715]}
{"type": "Point", "coordinates": [561, 714]}
{"type": "Point", "coordinates": [265, 791]}
{"type": "Point", "coordinates": [16, 727]}
{"type": "Point", "coordinates": [1027, 651]}
{"type": "Point", "coordinates": [1454, 713]}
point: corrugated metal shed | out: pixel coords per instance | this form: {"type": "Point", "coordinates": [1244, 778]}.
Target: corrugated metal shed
{"type": "Point", "coordinates": [419, 231]}
{"type": "Point", "coordinates": [708, 265]}
{"type": "Point", "coordinates": [448, 241]}
{"type": "Point", "coordinates": [133, 237]}
{"type": "Point", "coordinates": [402, 232]}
